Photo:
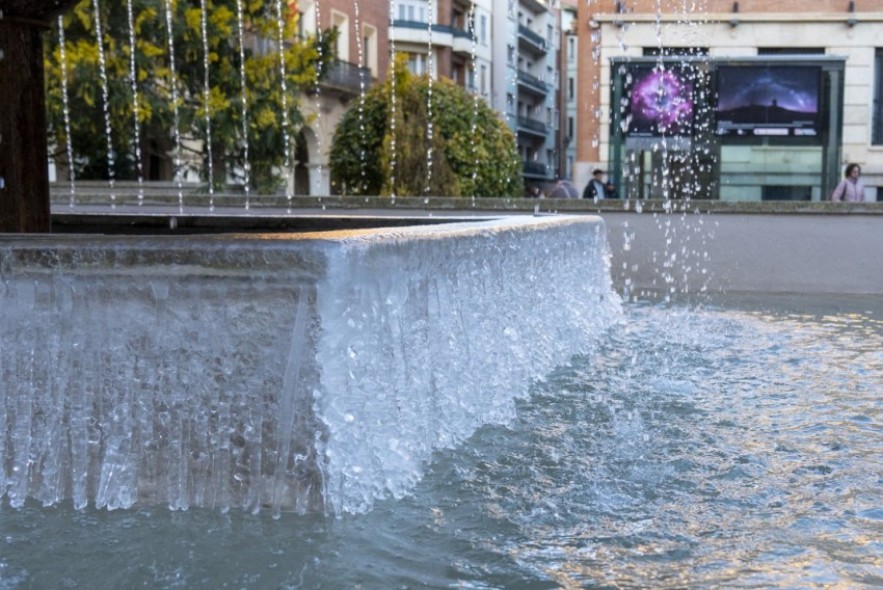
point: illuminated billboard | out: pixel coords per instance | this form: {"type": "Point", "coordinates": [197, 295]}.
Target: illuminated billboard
{"type": "Point", "coordinates": [659, 100]}
{"type": "Point", "coordinates": [768, 100]}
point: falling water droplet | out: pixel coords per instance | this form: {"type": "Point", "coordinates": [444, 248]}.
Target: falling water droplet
{"type": "Point", "coordinates": [283, 89]}
{"type": "Point", "coordinates": [206, 91]}
{"type": "Point", "coordinates": [105, 95]}
{"type": "Point", "coordinates": [243, 98]}
{"type": "Point", "coordinates": [173, 84]}
{"type": "Point", "coordinates": [133, 80]}
{"type": "Point", "coordinates": [66, 110]}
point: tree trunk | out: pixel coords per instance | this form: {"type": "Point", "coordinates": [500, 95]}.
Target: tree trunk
{"type": "Point", "coordinates": [24, 177]}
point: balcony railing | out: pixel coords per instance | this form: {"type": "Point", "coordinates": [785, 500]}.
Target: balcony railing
{"type": "Point", "coordinates": [532, 38]}
{"type": "Point", "coordinates": [420, 25]}
{"type": "Point", "coordinates": [347, 77]}
{"type": "Point", "coordinates": [532, 82]}
{"type": "Point", "coordinates": [532, 125]}
{"type": "Point", "coordinates": [462, 33]}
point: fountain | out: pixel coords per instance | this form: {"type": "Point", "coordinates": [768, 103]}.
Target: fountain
{"type": "Point", "coordinates": [191, 381]}
{"type": "Point", "coordinates": [300, 372]}
{"type": "Point", "coordinates": [297, 372]}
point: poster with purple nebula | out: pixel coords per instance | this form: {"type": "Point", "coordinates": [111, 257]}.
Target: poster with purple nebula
{"type": "Point", "coordinates": [768, 100]}
{"type": "Point", "coordinates": [660, 101]}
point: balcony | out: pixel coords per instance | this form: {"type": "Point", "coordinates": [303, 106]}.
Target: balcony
{"type": "Point", "coordinates": [415, 31]}
{"type": "Point", "coordinates": [532, 127]}
{"type": "Point", "coordinates": [532, 84]}
{"type": "Point", "coordinates": [531, 41]}
{"type": "Point", "coordinates": [463, 41]}
{"type": "Point", "coordinates": [535, 6]}
{"type": "Point", "coordinates": [346, 79]}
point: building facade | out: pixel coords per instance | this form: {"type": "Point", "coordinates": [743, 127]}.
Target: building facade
{"type": "Point", "coordinates": [569, 56]}
{"type": "Point", "coordinates": [361, 58]}
{"type": "Point", "coordinates": [506, 52]}
{"type": "Point", "coordinates": [610, 31]}
{"type": "Point", "coordinates": [537, 86]}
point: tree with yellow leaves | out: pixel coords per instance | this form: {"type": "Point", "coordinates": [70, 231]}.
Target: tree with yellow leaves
{"type": "Point", "coordinates": [194, 102]}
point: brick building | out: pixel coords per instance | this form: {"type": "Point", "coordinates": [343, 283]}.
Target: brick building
{"type": "Point", "coordinates": [849, 30]}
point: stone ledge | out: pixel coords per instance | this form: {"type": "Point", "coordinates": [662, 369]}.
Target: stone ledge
{"type": "Point", "coordinates": [256, 203]}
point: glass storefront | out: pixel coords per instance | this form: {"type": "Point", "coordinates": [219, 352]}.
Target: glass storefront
{"type": "Point", "coordinates": [739, 129]}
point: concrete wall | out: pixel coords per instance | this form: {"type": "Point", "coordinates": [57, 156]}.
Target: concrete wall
{"type": "Point", "coordinates": [689, 253]}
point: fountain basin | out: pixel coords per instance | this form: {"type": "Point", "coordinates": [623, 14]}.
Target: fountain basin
{"type": "Point", "coordinates": [303, 372]}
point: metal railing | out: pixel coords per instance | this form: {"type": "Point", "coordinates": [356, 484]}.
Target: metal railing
{"type": "Point", "coordinates": [343, 75]}
{"type": "Point", "coordinates": [532, 82]}
{"type": "Point", "coordinates": [532, 37]}
{"type": "Point", "coordinates": [532, 125]}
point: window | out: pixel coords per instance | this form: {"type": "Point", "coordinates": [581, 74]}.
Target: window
{"type": "Point", "coordinates": [307, 23]}
{"type": "Point", "coordinates": [369, 49]}
{"type": "Point", "coordinates": [877, 113]}
{"type": "Point", "coordinates": [413, 10]}
{"type": "Point", "coordinates": [483, 80]}
{"type": "Point", "coordinates": [483, 29]}
{"type": "Point", "coordinates": [571, 49]}
{"type": "Point", "coordinates": [571, 88]}
{"type": "Point", "coordinates": [570, 128]}
{"type": "Point", "coordinates": [417, 63]}
{"type": "Point", "coordinates": [340, 21]}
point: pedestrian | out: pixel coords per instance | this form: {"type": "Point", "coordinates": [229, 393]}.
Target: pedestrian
{"type": "Point", "coordinates": [597, 189]}
{"type": "Point", "coordinates": [851, 188]}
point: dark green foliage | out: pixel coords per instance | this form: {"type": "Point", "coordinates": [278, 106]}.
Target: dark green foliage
{"type": "Point", "coordinates": [473, 150]}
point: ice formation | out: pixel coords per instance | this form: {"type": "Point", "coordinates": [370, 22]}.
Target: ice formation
{"type": "Point", "coordinates": [303, 373]}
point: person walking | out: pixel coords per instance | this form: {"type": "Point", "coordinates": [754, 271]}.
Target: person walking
{"type": "Point", "coordinates": [851, 188]}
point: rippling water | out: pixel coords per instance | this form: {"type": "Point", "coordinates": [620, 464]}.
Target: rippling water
{"type": "Point", "coordinates": [733, 446]}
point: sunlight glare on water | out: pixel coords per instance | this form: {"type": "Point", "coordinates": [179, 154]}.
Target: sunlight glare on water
{"type": "Point", "coordinates": [731, 445]}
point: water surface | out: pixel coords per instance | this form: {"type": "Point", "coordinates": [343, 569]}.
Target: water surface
{"type": "Point", "coordinates": [735, 444]}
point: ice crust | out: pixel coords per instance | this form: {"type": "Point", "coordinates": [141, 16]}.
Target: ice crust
{"type": "Point", "coordinates": [302, 373]}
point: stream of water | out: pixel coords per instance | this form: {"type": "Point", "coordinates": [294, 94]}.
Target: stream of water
{"type": "Point", "coordinates": [734, 444]}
